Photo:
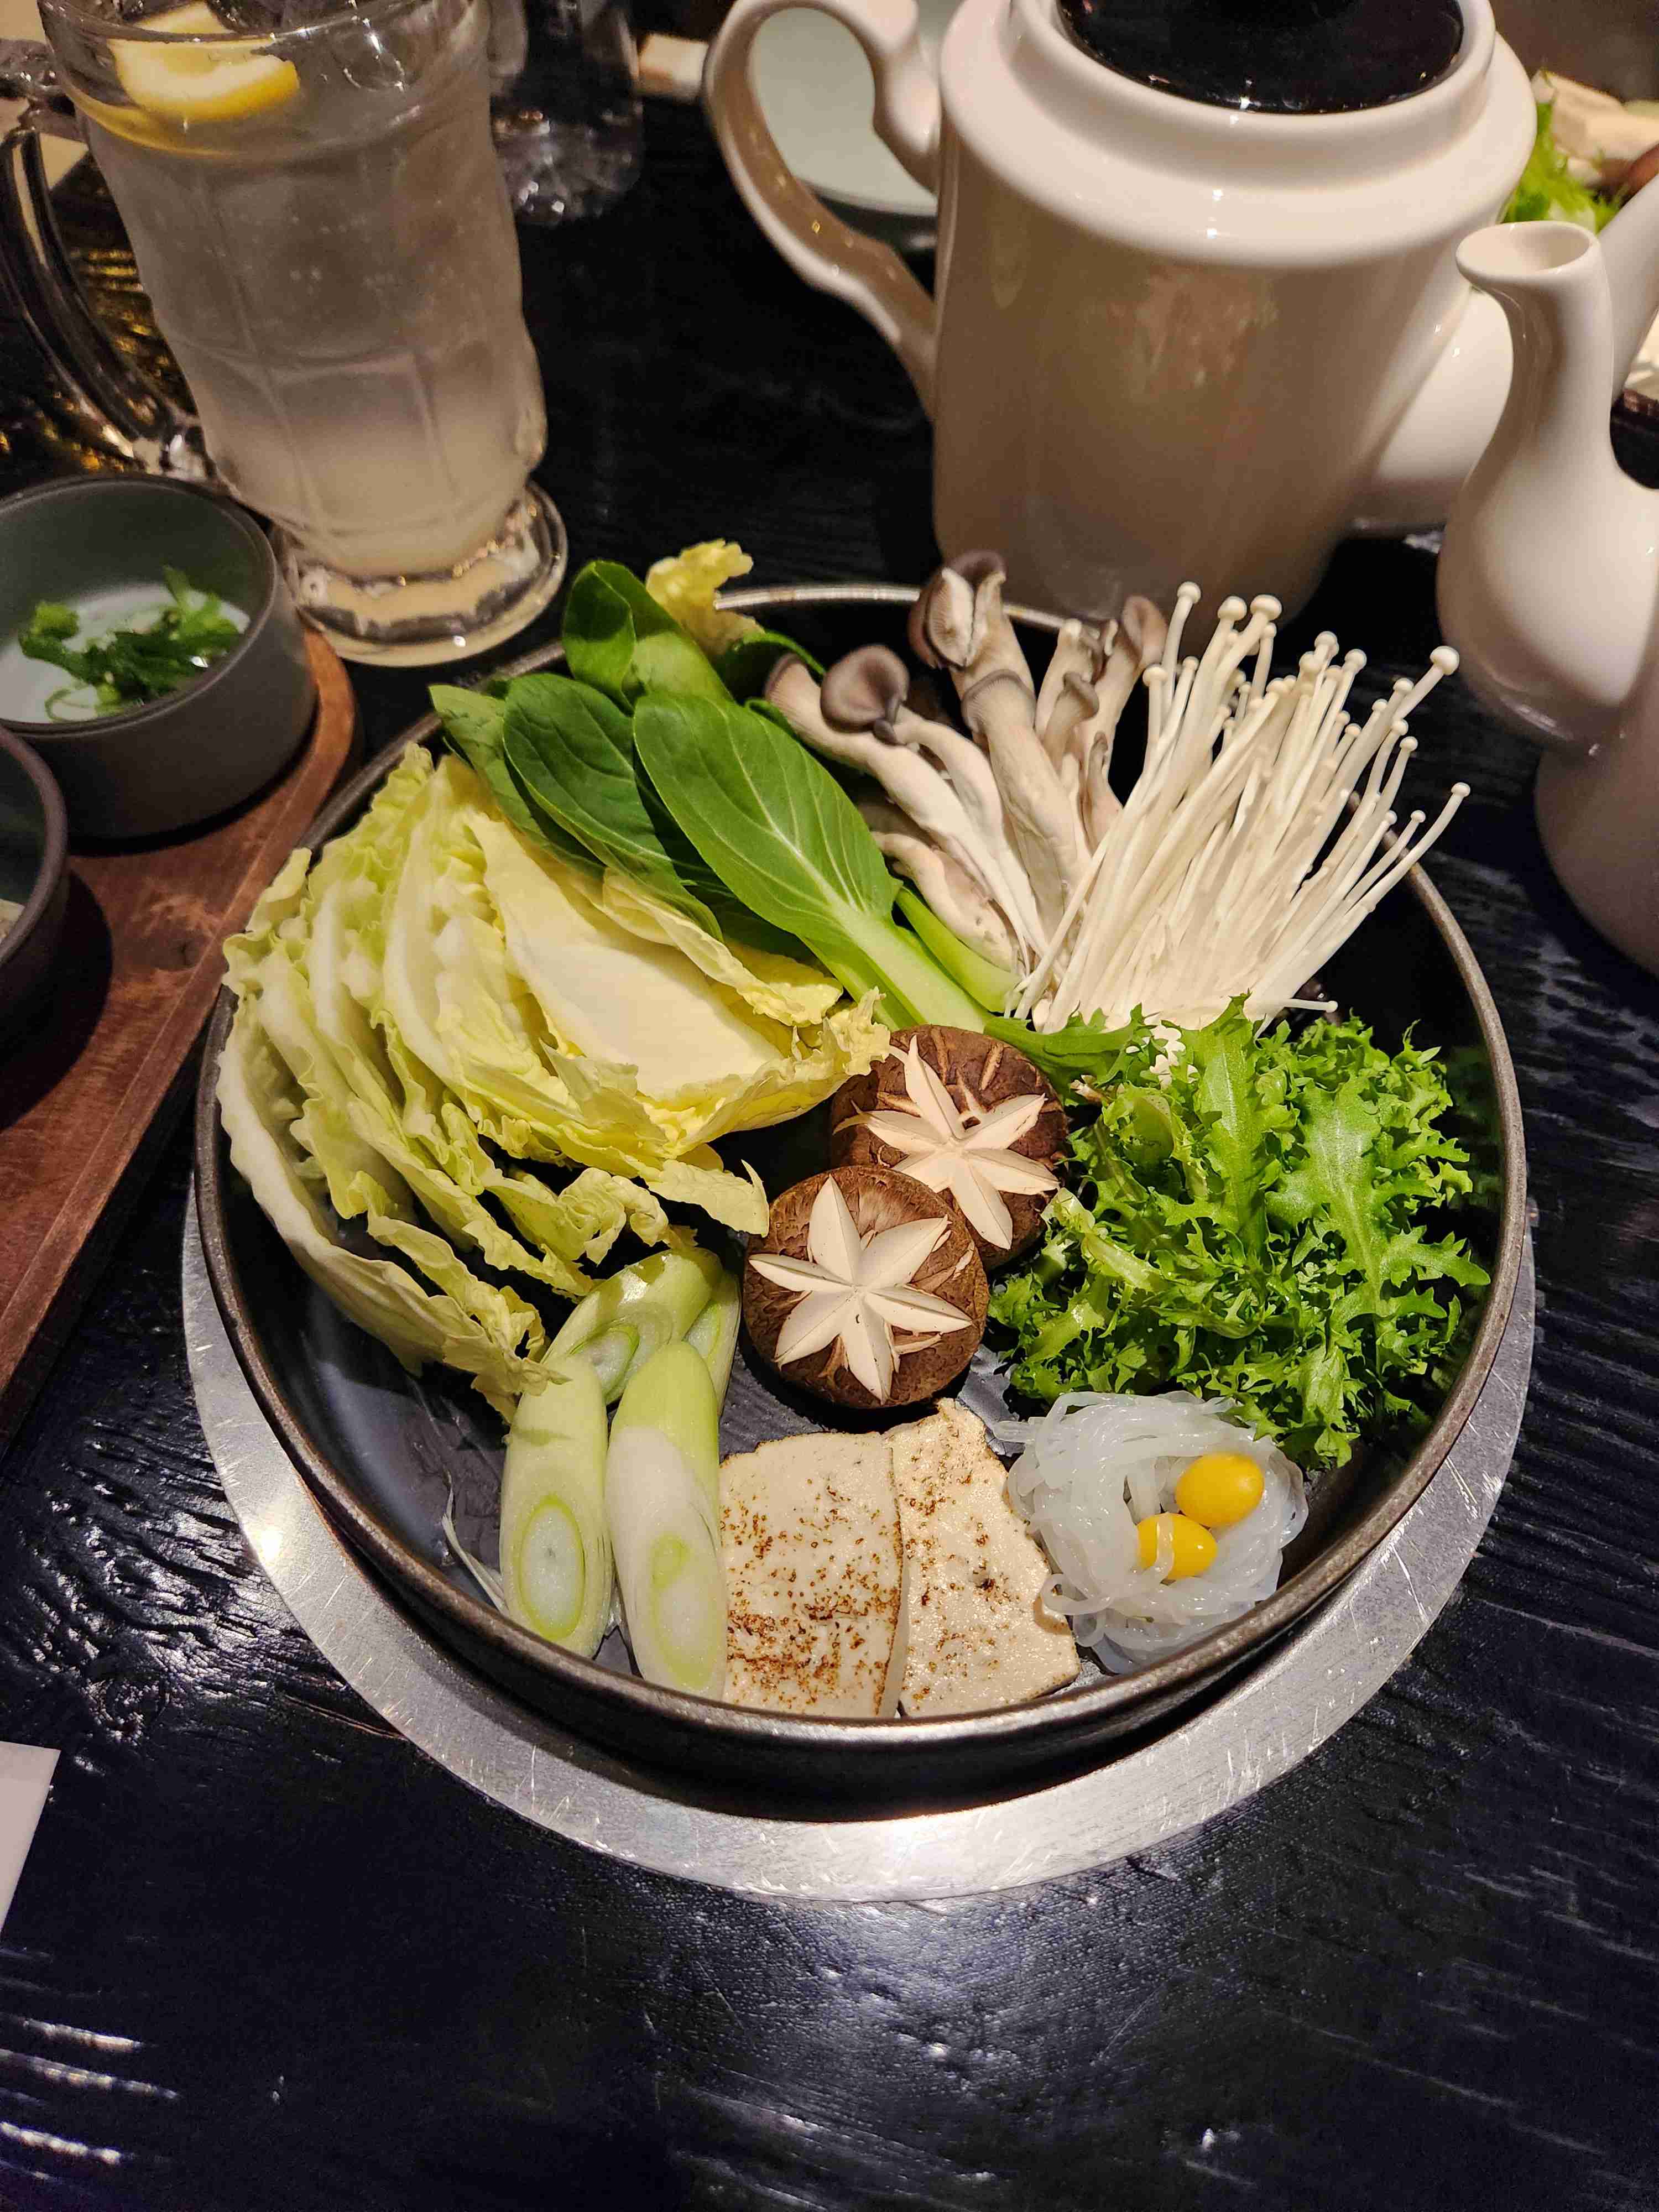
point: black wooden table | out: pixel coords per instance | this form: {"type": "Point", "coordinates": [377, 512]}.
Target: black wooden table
{"type": "Point", "coordinates": [265, 1955]}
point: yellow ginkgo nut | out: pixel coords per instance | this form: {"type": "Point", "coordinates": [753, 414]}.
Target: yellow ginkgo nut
{"type": "Point", "coordinates": [1194, 1546]}
{"type": "Point", "coordinates": [1220, 1489]}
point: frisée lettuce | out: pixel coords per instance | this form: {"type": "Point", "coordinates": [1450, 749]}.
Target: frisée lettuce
{"type": "Point", "coordinates": [1250, 1218]}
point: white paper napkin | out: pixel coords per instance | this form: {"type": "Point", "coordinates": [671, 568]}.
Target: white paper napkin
{"type": "Point", "coordinates": [25, 1778]}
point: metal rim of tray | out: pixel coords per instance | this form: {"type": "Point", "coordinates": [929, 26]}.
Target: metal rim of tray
{"type": "Point", "coordinates": [1255, 1731]}
{"type": "Point", "coordinates": [1053, 1725]}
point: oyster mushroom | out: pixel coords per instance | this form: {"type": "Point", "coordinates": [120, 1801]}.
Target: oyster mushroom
{"type": "Point", "coordinates": [866, 691]}
{"type": "Point", "coordinates": [998, 703]}
{"type": "Point", "coordinates": [868, 1289]}
{"type": "Point", "coordinates": [913, 784]}
{"type": "Point", "coordinates": [956, 897]}
{"type": "Point", "coordinates": [968, 1115]}
{"type": "Point", "coordinates": [1068, 696]}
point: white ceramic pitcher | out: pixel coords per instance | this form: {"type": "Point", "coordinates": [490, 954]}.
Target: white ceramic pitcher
{"type": "Point", "coordinates": [1171, 338]}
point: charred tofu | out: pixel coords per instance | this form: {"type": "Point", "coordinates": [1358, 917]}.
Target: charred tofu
{"type": "Point", "coordinates": [810, 1542]}
{"type": "Point", "coordinates": [978, 1632]}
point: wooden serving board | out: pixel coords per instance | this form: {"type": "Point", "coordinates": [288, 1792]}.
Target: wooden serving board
{"type": "Point", "coordinates": [86, 1101]}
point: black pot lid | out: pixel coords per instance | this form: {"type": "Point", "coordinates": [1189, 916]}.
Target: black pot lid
{"type": "Point", "coordinates": [1283, 56]}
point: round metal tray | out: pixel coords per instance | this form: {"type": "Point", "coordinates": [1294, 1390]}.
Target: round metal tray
{"type": "Point", "coordinates": [1259, 1726]}
{"type": "Point", "coordinates": [382, 1457]}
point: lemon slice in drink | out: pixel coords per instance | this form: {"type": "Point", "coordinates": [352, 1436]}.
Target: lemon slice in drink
{"type": "Point", "coordinates": [213, 83]}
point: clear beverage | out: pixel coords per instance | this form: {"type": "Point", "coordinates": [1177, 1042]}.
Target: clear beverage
{"type": "Point", "coordinates": [337, 272]}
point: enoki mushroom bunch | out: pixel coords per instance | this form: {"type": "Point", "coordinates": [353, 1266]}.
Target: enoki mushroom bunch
{"type": "Point", "coordinates": [1254, 839]}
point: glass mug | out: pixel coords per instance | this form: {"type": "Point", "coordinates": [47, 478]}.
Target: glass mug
{"type": "Point", "coordinates": [314, 206]}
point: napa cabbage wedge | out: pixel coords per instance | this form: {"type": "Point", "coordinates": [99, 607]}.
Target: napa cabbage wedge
{"type": "Point", "coordinates": [496, 1065]}
{"type": "Point", "coordinates": [371, 1124]}
{"type": "Point", "coordinates": [258, 1105]}
{"type": "Point", "coordinates": [778, 829]}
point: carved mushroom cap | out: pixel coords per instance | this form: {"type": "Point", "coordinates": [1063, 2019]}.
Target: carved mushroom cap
{"type": "Point", "coordinates": [1010, 1171]}
{"type": "Point", "coordinates": [801, 1235]}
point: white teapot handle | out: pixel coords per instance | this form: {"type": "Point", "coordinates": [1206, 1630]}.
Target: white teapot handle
{"type": "Point", "coordinates": [816, 246]}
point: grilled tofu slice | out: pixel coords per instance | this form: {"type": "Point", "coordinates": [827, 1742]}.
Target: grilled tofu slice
{"type": "Point", "coordinates": [810, 1542]}
{"type": "Point", "coordinates": [978, 1632]}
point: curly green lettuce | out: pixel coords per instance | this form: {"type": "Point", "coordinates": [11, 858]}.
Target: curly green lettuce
{"type": "Point", "coordinates": [1252, 1216]}
{"type": "Point", "coordinates": [1549, 192]}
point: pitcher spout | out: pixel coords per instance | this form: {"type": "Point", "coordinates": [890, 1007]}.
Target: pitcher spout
{"type": "Point", "coordinates": [1548, 571]}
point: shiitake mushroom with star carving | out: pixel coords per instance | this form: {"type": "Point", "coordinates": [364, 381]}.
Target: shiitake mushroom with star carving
{"type": "Point", "coordinates": [866, 1290]}
{"type": "Point", "coordinates": [968, 1115]}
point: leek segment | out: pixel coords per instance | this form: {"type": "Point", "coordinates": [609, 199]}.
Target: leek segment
{"type": "Point", "coordinates": [556, 1573]}
{"type": "Point", "coordinates": [714, 1332]}
{"type": "Point", "coordinates": [662, 1502]}
{"type": "Point", "coordinates": [618, 1327]}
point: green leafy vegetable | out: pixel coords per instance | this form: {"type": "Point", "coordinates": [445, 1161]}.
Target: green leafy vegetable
{"type": "Point", "coordinates": [1549, 192]}
{"type": "Point", "coordinates": [781, 834]}
{"type": "Point", "coordinates": [475, 726]}
{"type": "Point", "coordinates": [743, 667]}
{"type": "Point", "coordinates": [571, 750]}
{"type": "Point", "coordinates": [133, 662]}
{"type": "Point", "coordinates": [1252, 1223]}
{"type": "Point", "coordinates": [619, 640]}
{"type": "Point", "coordinates": [1082, 1051]}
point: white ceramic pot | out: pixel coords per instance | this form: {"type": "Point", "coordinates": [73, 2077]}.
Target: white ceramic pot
{"type": "Point", "coordinates": [1549, 580]}
{"type": "Point", "coordinates": [1169, 339]}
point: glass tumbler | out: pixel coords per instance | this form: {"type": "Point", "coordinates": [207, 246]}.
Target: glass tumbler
{"type": "Point", "coordinates": [312, 199]}
{"type": "Point", "coordinates": [565, 105]}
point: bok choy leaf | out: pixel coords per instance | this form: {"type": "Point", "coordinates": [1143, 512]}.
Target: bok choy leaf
{"type": "Point", "coordinates": [986, 983]}
{"type": "Point", "coordinates": [780, 832]}
{"type": "Point", "coordinates": [475, 726]}
{"type": "Point", "coordinates": [572, 749]}
{"type": "Point", "coordinates": [617, 638]}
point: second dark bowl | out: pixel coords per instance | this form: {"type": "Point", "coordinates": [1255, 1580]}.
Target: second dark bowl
{"type": "Point", "coordinates": [150, 769]}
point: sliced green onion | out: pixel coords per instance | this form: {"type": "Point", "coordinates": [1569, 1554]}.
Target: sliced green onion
{"type": "Point", "coordinates": [713, 1335]}
{"type": "Point", "coordinates": [556, 1576]}
{"type": "Point", "coordinates": [662, 1502]}
{"type": "Point", "coordinates": [617, 1328]}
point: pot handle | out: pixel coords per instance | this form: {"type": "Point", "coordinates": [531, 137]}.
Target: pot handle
{"type": "Point", "coordinates": [825, 251]}
{"type": "Point", "coordinates": [119, 409]}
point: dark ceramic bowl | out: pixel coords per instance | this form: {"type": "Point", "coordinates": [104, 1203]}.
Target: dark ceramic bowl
{"type": "Point", "coordinates": [35, 875]}
{"type": "Point", "coordinates": [379, 1449]}
{"type": "Point", "coordinates": [203, 749]}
